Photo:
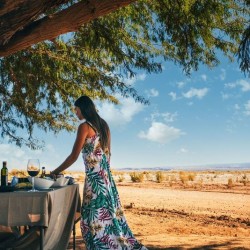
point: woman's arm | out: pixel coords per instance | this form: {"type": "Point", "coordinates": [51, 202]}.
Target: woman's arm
{"type": "Point", "coordinates": [81, 136]}
{"type": "Point", "coordinates": [109, 142]}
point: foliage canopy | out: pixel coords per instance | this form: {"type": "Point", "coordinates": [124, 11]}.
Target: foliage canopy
{"type": "Point", "coordinates": [38, 85]}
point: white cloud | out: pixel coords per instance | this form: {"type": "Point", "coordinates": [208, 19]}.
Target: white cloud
{"type": "Point", "coordinates": [243, 84]}
{"type": "Point", "coordinates": [225, 96]}
{"type": "Point", "coordinates": [8, 149]}
{"type": "Point", "coordinates": [120, 114]}
{"type": "Point", "coordinates": [247, 108]}
{"type": "Point", "coordinates": [17, 157]}
{"type": "Point", "coordinates": [223, 74]}
{"type": "Point", "coordinates": [167, 117]}
{"type": "Point", "coordinates": [160, 132]}
{"type": "Point", "coordinates": [173, 95]}
{"type": "Point", "coordinates": [204, 77]}
{"type": "Point", "coordinates": [180, 84]}
{"type": "Point", "coordinates": [199, 93]}
{"type": "Point", "coordinates": [230, 85]}
{"type": "Point", "coordinates": [152, 93]}
{"type": "Point", "coordinates": [131, 81]}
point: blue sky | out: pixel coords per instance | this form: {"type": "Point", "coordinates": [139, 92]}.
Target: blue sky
{"type": "Point", "coordinates": [196, 120]}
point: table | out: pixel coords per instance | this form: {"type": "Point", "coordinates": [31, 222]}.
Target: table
{"type": "Point", "coordinates": [53, 212]}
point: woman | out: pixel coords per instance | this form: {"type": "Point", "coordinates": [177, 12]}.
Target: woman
{"type": "Point", "coordinates": [103, 223]}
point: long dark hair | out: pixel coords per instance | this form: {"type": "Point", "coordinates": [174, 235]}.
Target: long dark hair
{"type": "Point", "coordinates": [89, 112]}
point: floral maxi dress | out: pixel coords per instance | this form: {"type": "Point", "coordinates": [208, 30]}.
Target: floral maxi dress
{"type": "Point", "coordinates": [103, 223]}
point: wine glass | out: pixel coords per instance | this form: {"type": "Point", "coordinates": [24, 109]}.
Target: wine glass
{"type": "Point", "coordinates": [33, 168]}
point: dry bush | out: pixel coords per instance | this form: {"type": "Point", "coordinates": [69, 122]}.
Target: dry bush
{"type": "Point", "coordinates": [121, 178]}
{"type": "Point", "coordinates": [229, 183]}
{"type": "Point", "coordinates": [183, 177]}
{"type": "Point", "coordinates": [159, 177]}
{"type": "Point", "coordinates": [200, 182]}
{"type": "Point", "coordinates": [244, 180]}
{"type": "Point", "coordinates": [80, 178]}
{"type": "Point", "coordinates": [191, 176]}
{"type": "Point", "coordinates": [136, 177]}
{"type": "Point", "coordinates": [18, 173]}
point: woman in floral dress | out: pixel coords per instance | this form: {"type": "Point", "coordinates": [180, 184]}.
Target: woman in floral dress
{"type": "Point", "coordinates": [103, 223]}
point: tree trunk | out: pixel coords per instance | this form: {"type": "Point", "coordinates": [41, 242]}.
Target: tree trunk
{"type": "Point", "coordinates": [65, 21]}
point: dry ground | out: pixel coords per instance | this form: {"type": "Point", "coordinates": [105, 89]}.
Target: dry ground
{"type": "Point", "coordinates": [208, 212]}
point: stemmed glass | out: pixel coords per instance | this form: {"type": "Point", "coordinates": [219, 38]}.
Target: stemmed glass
{"type": "Point", "coordinates": [33, 168]}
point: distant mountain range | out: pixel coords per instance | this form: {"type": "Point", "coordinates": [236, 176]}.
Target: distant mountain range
{"type": "Point", "coordinates": [229, 166]}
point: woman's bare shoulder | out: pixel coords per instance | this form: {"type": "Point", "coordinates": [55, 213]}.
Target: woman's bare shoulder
{"type": "Point", "coordinates": [85, 127]}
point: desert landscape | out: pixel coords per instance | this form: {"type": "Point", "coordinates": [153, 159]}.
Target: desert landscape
{"type": "Point", "coordinates": [184, 209]}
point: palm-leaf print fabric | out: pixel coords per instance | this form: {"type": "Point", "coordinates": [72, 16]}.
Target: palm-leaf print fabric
{"type": "Point", "coordinates": [103, 223]}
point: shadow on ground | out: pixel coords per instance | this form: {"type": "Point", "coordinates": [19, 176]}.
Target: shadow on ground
{"type": "Point", "coordinates": [213, 246]}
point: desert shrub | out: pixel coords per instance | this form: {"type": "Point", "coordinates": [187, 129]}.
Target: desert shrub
{"type": "Point", "coordinates": [244, 180]}
{"type": "Point", "coordinates": [121, 178]}
{"type": "Point", "coordinates": [200, 182]}
{"type": "Point", "coordinates": [183, 177]}
{"type": "Point", "coordinates": [159, 177]}
{"type": "Point", "coordinates": [191, 176]}
{"type": "Point", "coordinates": [230, 183]}
{"type": "Point", "coordinates": [137, 177]}
{"type": "Point", "coordinates": [18, 173]}
{"type": "Point", "coordinates": [80, 178]}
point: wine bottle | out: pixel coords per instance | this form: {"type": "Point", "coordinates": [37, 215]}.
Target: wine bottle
{"type": "Point", "coordinates": [4, 174]}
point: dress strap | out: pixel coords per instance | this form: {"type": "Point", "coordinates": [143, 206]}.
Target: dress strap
{"type": "Point", "coordinates": [90, 124]}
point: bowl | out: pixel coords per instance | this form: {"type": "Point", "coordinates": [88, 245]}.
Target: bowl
{"type": "Point", "coordinates": [60, 182]}
{"type": "Point", "coordinates": [41, 183]}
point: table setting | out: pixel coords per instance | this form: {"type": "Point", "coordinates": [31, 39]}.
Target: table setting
{"type": "Point", "coordinates": [40, 203]}
{"type": "Point", "coordinates": [35, 183]}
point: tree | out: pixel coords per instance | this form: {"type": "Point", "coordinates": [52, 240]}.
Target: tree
{"type": "Point", "coordinates": [39, 83]}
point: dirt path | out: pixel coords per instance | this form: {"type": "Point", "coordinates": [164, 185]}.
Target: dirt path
{"type": "Point", "coordinates": [165, 218]}
{"type": "Point", "coordinates": [187, 219]}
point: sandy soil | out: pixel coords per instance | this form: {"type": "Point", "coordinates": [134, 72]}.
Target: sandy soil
{"type": "Point", "coordinates": [182, 216]}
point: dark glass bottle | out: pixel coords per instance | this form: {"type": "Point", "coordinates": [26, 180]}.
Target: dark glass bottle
{"type": "Point", "coordinates": [43, 175]}
{"type": "Point", "coordinates": [4, 174]}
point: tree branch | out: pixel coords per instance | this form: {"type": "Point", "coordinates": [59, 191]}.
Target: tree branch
{"type": "Point", "coordinates": [65, 21]}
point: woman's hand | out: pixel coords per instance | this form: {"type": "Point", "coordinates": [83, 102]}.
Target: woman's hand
{"type": "Point", "coordinates": [52, 176]}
